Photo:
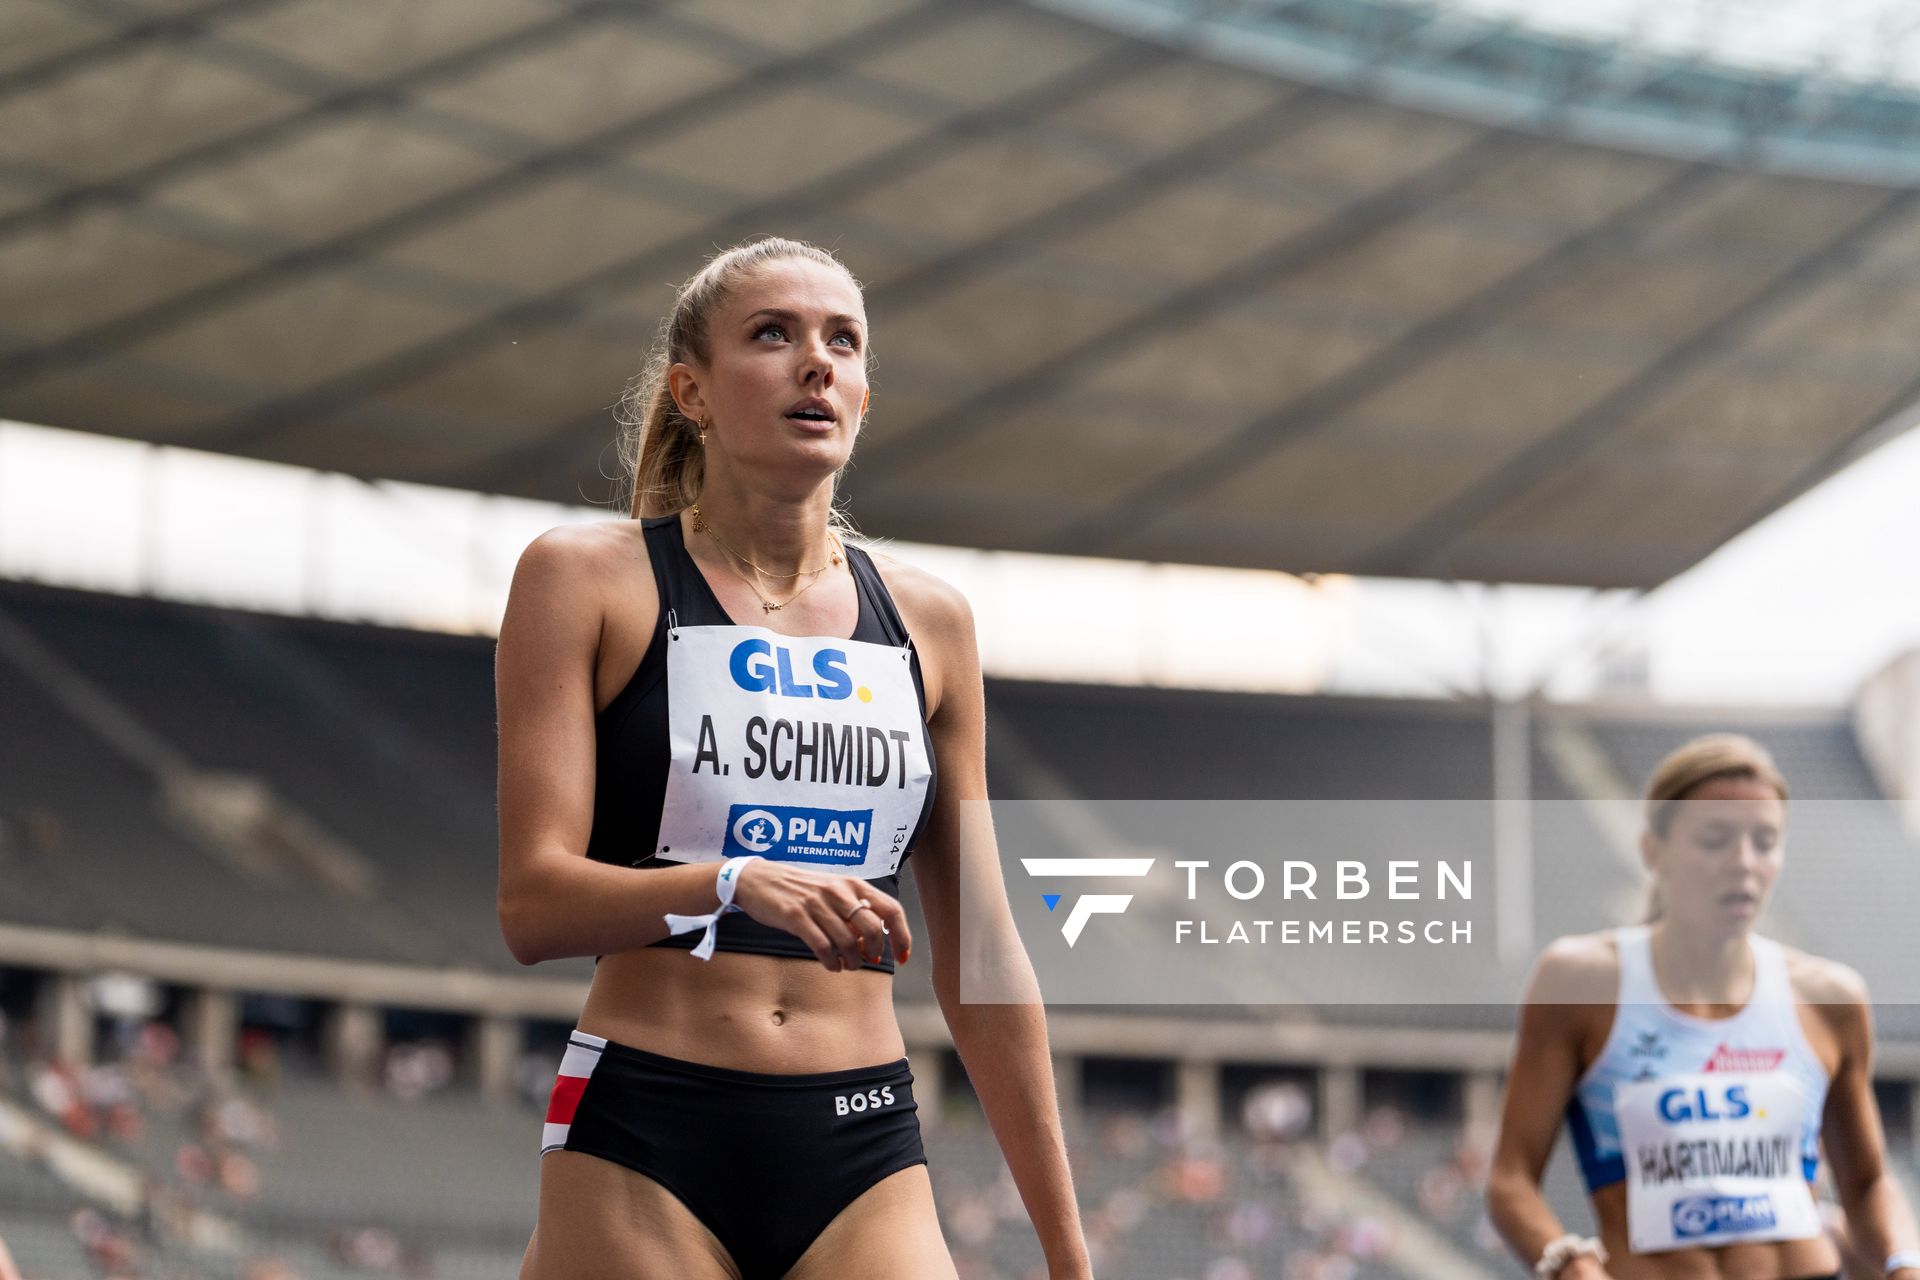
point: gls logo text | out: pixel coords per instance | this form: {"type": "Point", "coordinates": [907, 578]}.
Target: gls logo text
{"type": "Point", "coordinates": [1092, 904]}
{"type": "Point", "coordinates": [760, 667]}
{"type": "Point", "coordinates": [1678, 1106]}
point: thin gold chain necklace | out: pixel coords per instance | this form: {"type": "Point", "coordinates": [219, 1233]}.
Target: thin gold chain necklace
{"type": "Point", "coordinates": [700, 525]}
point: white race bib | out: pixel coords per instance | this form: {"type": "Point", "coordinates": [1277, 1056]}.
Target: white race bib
{"type": "Point", "coordinates": [1714, 1158]}
{"type": "Point", "coordinates": [801, 749]}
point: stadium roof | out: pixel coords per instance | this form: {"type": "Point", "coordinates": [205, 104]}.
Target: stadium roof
{"type": "Point", "coordinates": [1240, 288]}
{"type": "Point", "coordinates": [1865, 44]}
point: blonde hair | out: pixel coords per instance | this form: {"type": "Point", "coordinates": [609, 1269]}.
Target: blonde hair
{"type": "Point", "coordinates": [1692, 765]}
{"type": "Point", "coordinates": [660, 452]}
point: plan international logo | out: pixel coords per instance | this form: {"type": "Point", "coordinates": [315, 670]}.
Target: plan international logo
{"type": "Point", "coordinates": [1091, 904]}
{"type": "Point", "coordinates": [787, 833]}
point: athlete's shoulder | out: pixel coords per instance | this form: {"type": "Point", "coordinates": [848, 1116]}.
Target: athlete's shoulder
{"type": "Point", "coordinates": [1818, 980]}
{"type": "Point", "coordinates": [934, 609]}
{"type": "Point", "coordinates": [1837, 997]}
{"type": "Point", "coordinates": [570, 568]}
{"type": "Point", "coordinates": [581, 545]}
{"type": "Point", "coordinates": [1580, 968]}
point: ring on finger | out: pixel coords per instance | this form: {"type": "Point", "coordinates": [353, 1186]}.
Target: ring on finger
{"type": "Point", "coordinates": [858, 907]}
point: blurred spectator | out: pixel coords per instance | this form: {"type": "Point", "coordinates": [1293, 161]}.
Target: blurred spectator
{"type": "Point", "coordinates": [1347, 1152]}
{"type": "Point", "coordinates": [1124, 1210]}
{"type": "Point", "coordinates": [238, 1176]}
{"type": "Point", "coordinates": [1196, 1178]}
{"type": "Point", "coordinates": [378, 1249]}
{"type": "Point", "coordinates": [1384, 1127]}
{"type": "Point", "coordinates": [108, 1092]}
{"type": "Point", "coordinates": [969, 1265]}
{"type": "Point", "coordinates": [192, 1164]}
{"type": "Point", "coordinates": [7, 1270]}
{"type": "Point", "coordinates": [241, 1123]}
{"type": "Point", "coordinates": [43, 833]}
{"type": "Point", "coordinates": [1281, 1110]}
{"type": "Point", "coordinates": [416, 1261]}
{"type": "Point", "coordinates": [152, 1071]}
{"type": "Point", "coordinates": [1125, 1135]}
{"type": "Point", "coordinates": [56, 1089]}
{"type": "Point", "coordinates": [1249, 1223]}
{"type": "Point", "coordinates": [970, 1219]}
{"type": "Point", "coordinates": [535, 1074]}
{"type": "Point", "coordinates": [1363, 1238]}
{"type": "Point", "coordinates": [155, 1045]}
{"type": "Point", "coordinates": [416, 1069]}
{"type": "Point", "coordinates": [1269, 1162]}
{"type": "Point", "coordinates": [1440, 1192]}
{"type": "Point", "coordinates": [163, 1214]}
{"type": "Point", "coordinates": [109, 1248]}
{"type": "Point", "coordinates": [259, 1059]}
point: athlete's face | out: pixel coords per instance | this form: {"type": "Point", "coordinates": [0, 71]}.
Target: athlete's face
{"type": "Point", "coordinates": [786, 377]}
{"type": "Point", "coordinates": [1720, 855]}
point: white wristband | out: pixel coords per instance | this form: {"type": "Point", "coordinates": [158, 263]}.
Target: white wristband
{"type": "Point", "coordinates": [1555, 1257]}
{"type": "Point", "coordinates": [726, 884]}
{"type": "Point", "coordinates": [1904, 1258]}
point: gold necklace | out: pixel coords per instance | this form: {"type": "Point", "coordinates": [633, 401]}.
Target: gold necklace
{"type": "Point", "coordinates": [767, 605]}
{"type": "Point", "coordinates": [700, 525]}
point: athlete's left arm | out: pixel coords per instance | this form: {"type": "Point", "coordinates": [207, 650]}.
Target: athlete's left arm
{"type": "Point", "coordinates": [1878, 1217]}
{"type": "Point", "coordinates": [1001, 1031]}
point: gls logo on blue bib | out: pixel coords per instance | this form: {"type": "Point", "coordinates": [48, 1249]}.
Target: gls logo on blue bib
{"type": "Point", "coordinates": [761, 667]}
{"type": "Point", "coordinates": [1698, 1216]}
{"type": "Point", "coordinates": [1677, 1106]}
{"type": "Point", "coordinates": [784, 833]}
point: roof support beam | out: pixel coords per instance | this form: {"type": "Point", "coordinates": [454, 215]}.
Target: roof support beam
{"type": "Point", "coordinates": [1122, 194]}
{"type": "Point", "coordinates": [1895, 416]}
{"type": "Point", "coordinates": [1318, 407]}
{"type": "Point", "coordinates": [177, 28]}
{"type": "Point", "coordinates": [564, 303]}
{"type": "Point", "coordinates": [1107, 202]}
{"type": "Point", "coordinates": [391, 228]}
{"type": "Point", "coordinates": [1421, 549]}
{"type": "Point", "coordinates": [1349, 227]}
{"type": "Point", "coordinates": [506, 470]}
{"type": "Point", "coordinates": [323, 110]}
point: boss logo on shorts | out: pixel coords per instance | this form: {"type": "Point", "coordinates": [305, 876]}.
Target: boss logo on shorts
{"type": "Point", "coordinates": [846, 1104]}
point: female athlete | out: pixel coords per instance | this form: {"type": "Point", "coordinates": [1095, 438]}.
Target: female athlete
{"type": "Point", "coordinates": [723, 730]}
{"type": "Point", "coordinates": [1699, 1066]}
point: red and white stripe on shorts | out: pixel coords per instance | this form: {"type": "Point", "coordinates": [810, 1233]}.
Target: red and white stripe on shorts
{"type": "Point", "coordinates": [583, 1054]}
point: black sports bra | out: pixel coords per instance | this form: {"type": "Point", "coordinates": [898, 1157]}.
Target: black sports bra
{"type": "Point", "coordinates": [633, 753]}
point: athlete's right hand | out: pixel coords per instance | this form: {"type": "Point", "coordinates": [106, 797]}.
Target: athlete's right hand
{"type": "Point", "coordinates": [818, 908]}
